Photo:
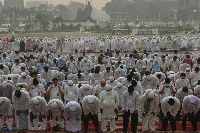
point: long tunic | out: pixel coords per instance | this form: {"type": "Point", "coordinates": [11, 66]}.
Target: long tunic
{"type": "Point", "coordinates": [73, 118]}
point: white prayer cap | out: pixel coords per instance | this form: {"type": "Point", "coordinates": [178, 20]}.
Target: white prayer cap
{"type": "Point", "coordinates": [148, 91]}
{"type": "Point", "coordinates": [15, 76]}
{"type": "Point", "coordinates": [119, 84]}
{"type": "Point", "coordinates": [42, 54]}
{"type": "Point", "coordinates": [49, 52]}
{"type": "Point", "coordinates": [23, 89]}
{"type": "Point", "coordinates": [4, 83]}
{"type": "Point", "coordinates": [192, 99]}
{"type": "Point", "coordinates": [70, 75]}
{"type": "Point", "coordinates": [108, 87]}
{"type": "Point", "coordinates": [54, 105]}
{"type": "Point", "coordinates": [70, 82]}
{"type": "Point", "coordinates": [91, 99]}
{"type": "Point", "coordinates": [60, 58]}
{"type": "Point", "coordinates": [1, 100]}
{"type": "Point", "coordinates": [72, 108]}
{"type": "Point", "coordinates": [144, 67]}
{"type": "Point", "coordinates": [111, 78]}
{"type": "Point", "coordinates": [156, 60]}
{"type": "Point", "coordinates": [85, 59]}
{"type": "Point", "coordinates": [86, 86]}
{"type": "Point", "coordinates": [8, 50]}
{"type": "Point", "coordinates": [151, 95]}
{"type": "Point", "coordinates": [92, 55]}
{"type": "Point", "coordinates": [187, 69]}
{"type": "Point", "coordinates": [23, 74]}
{"type": "Point", "coordinates": [151, 59]}
{"type": "Point", "coordinates": [149, 77]}
{"type": "Point", "coordinates": [59, 73]}
{"type": "Point", "coordinates": [35, 101]}
{"type": "Point", "coordinates": [195, 49]}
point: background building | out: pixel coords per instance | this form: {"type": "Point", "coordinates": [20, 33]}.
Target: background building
{"type": "Point", "coordinates": [9, 4]}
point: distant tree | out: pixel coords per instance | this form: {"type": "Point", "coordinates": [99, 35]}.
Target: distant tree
{"type": "Point", "coordinates": [65, 12]}
{"type": "Point", "coordinates": [57, 20]}
{"type": "Point", "coordinates": [115, 6]}
{"type": "Point", "coordinates": [45, 25]}
{"type": "Point", "coordinates": [74, 7]}
{"type": "Point", "coordinates": [39, 18]}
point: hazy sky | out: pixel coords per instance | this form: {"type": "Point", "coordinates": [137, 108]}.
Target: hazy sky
{"type": "Point", "coordinates": [96, 3]}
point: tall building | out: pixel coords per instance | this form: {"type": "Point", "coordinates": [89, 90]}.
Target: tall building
{"type": "Point", "coordinates": [9, 4]}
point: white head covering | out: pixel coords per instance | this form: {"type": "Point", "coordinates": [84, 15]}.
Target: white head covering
{"type": "Point", "coordinates": [23, 74]}
{"type": "Point", "coordinates": [108, 87]}
{"type": "Point", "coordinates": [70, 75]}
{"type": "Point", "coordinates": [149, 77]}
{"type": "Point", "coordinates": [119, 84]}
{"type": "Point", "coordinates": [111, 78]}
{"type": "Point", "coordinates": [72, 108]}
{"type": "Point", "coordinates": [187, 69]}
{"type": "Point", "coordinates": [70, 82]}
{"type": "Point", "coordinates": [192, 99]}
{"type": "Point", "coordinates": [35, 101]}
{"type": "Point", "coordinates": [85, 59]}
{"type": "Point", "coordinates": [23, 89]}
{"type": "Point", "coordinates": [91, 99]}
{"type": "Point", "coordinates": [4, 83]}
{"type": "Point", "coordinates": [1, 100]}
{"type": "Point", "coordinates": [54, 105]}
{"type": "Point", "coordinates": [151, 95]}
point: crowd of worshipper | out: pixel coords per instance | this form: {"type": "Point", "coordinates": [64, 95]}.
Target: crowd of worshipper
{"type": "Point", "coordinates": [67, 90]}
{"type": "Point", "coordinates": [101, 43]}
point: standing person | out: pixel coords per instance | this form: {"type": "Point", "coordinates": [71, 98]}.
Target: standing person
{"type": "Point", "coordinates": [190, 107]}
{"type": "Point", "coordinates": [5, 111]}
{"type": "Point", "coordinates": [188, 60]}
{"type": "Point", "coordinates": [56, 110]}
{"type": "Point", "coordinates": [38, 106]}
{"type": "Point", "coordinates": [71, 92]}
{"type": "Point", "coordinates": [21, 104]}
{"type": "Point", "coordinates": [108, 108]}
{"type": "Point", "coordinates": [36, 89]}
{"type": "Point", "coordinates": [170, 107]}
{"type": "Point", "coordinates": [72, 113]}
{"type": "Point", "coordinates": [6, 90]}
{"type": "Point", "coordinates": [130, 103]}
{"type": "Point", "coordinates": [90, 105]}
{"type": "Point", "coordinates": [149, 108]}
{"type": "Point", "coordinates": [55, 90]}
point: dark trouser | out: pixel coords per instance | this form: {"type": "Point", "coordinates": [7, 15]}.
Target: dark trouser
{"type": "Point", "coordinates": [193, 121]}
{"type": "Point", "coordinates": [134, 121]}
{"type": "Point", "coordinates": [172, 122]}
{"type": "Point", "coordinates": [178, 115]}
{"type": "Point", "coordinates": [198, 116]}
{"type": "Point", "coordinates": [95, 121]}
{"type": "Point", "coordinates": [161, 113]}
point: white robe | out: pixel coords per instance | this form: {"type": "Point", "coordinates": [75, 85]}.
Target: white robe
{"type": "Point", "coordinates": [73, 118]}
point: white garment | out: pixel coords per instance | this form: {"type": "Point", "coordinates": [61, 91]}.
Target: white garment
{"type": "Point", "coordinates": [71, 93]}
{"type": "Point", "coordinates": [5, 111]}
{"type": "Point", "coordinates": [180, 94]}
{"type": "Point", "coordinates": [38, 90]}
{"type": "Point", "coordinates": [188, 107]}
{"type": "Point", "coordinates": [56, 112]}
{"type": "Point", "coordinates": [55, 94]}
{"type": "Point", "coordinates": [108, 102]}
{"type": "Point", "coordinates": [168, 108]}
{"type": "Point", "coordinates": [73, 118]}
{"type": "Point", "coordinates": [92, 108]}
{"type": "Point", "coordinates": [41, 108]}
{"type": "Point", "coordinates": [130, 102]}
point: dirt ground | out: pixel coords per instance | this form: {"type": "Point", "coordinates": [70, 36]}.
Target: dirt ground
{"type": "Point", "coordinates": [78, 34]}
